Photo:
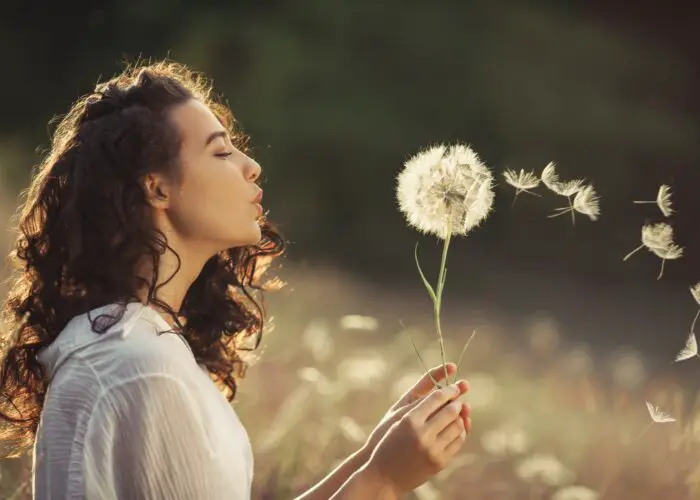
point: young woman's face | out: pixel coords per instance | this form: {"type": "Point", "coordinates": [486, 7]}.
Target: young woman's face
{"type": "Point", "coordinates": [216, 203]}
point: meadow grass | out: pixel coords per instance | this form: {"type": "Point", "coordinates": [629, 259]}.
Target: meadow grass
{"type": "Point", "coordinates": [543, 417]}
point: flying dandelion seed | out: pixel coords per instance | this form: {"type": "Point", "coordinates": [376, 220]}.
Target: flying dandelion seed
{"type": "Point", "coordinates": [663, 200]}
{"type": "Point", "coordinates": [658, 416]}
{"type": "Point", "coordinates": [690, 349]}
{"type": "Point", "coordinates": [550, 178]}
{"type": "Point", "coordinates": [586, 202]}
{"type": "Point", "coordinates": [444, 191]}
{"type": "Point", "coordinates": [658, 239]}
{"type": "Point", "coordinates": [523, 182]}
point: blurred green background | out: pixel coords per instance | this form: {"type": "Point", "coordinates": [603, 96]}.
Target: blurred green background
{"type": "Point", "coordinates": [336, 95]}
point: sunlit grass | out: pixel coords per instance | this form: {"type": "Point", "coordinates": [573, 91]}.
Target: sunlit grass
{"type": "Point", "coordinates": [543, 419]}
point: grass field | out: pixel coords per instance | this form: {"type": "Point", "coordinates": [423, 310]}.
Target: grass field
{"type": "Point", "coordinates": [543, 420]}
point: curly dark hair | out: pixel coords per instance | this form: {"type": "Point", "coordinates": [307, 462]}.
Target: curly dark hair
{"type": "Point", "coordinates": [83, 227]}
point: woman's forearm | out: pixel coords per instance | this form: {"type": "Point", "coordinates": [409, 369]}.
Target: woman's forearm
{"type": "Point", "coordinates": [330, 484]}
{"type": "Point", "coordinates": [366, 484]}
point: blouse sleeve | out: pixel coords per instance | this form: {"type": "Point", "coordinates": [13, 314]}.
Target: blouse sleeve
{"type": "Point", "coordinates": [147, 440]}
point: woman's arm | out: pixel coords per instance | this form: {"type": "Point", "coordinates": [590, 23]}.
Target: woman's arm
{"type": "Point", "coordinates": [333, 481]}
{"type": "Point", "coordinates": [355, 479]}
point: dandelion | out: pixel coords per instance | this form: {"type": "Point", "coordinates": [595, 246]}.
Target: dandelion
{"type": "Point", "coordinates": [586, 202]}
{"type": "Point", "coordinates": [576, 493]}
{"type": "Point", "coordinates": [658, 239]}
{"type": "Point", "coordinates": [523, 182]}
{"type": "Point", "coordinates": [444, 191]}
{"type": "Point", "coordinates": [550, 178]}
{"type": "Point", "coordinates": [663, 200]}
{"type": "Point", "coordinates": [544, 468]}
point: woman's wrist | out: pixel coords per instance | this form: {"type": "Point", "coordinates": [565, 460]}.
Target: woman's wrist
{"type": "Point", "coordinates": [376, 481]}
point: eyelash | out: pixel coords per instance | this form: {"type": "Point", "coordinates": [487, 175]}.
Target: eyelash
{"type": "Point", "coordinates": [223, 155]}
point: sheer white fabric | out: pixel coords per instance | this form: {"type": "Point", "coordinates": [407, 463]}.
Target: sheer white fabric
{"type": "Point", "coordinates": [130, 415]}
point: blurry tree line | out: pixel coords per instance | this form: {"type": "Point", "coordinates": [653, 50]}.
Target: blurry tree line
{"type": "Point", "coordinates": [336, 95]}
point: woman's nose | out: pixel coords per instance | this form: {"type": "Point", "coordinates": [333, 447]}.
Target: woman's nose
{"type": "Point", "coordinates": [253, 170]}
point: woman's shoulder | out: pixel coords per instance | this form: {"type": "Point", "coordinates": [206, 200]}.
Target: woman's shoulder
{"type": "Point", "coordinates": [138, 344]}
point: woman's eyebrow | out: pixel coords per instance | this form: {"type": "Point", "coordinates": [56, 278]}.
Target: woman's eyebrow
{"type": "Point", "coordinates": [215, 135]}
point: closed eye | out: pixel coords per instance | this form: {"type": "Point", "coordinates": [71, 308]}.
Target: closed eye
{"type": "Point", "coordinates": [223, 155]}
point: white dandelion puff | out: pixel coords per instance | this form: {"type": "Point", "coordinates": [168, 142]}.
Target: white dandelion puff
{"type": "Point", "coordinates": [550, 178]}
{"type": "Point", "coordinates": [658, 416]}
{"type": "Point", "coordinates": [445, 190]}
{"type": "Point", "coordinates": [658, 239]}
{"type": "Point", "coordinates": [576, 493]}
{"type": "Point", "coordinates": [522, 181]}
{"type": "Point", "coordinates": [663, 200]}
{"type": "Point", "coordinates": [586, 202]}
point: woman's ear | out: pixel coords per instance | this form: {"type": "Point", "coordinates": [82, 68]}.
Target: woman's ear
{"type": "Point", "coordinates": [157, 191]}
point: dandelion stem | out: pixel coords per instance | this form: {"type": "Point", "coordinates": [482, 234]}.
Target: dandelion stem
{"type": "Point", "coordinates": [573, 214]}
{"type": "Point", "coordinates": [633, 252]}
{"type": "Point", "coordinates": [661, 273]}
{"type": "Point", "coordinates": [607, 485]}
{"type": "Point", "coordinates": [438, 302]}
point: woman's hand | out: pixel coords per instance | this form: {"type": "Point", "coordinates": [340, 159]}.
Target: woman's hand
{"type": "Point", "coordinates": [410, 399]}
{"type": "Point", "coordinates": [421, 443]}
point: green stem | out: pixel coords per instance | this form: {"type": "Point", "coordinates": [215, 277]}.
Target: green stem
{"type": "Point", "coordinates": [438, 302]}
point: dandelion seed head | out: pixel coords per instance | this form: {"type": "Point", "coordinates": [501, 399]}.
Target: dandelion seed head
{"type": "Point", "coordinates": [587, 202]}
{"type": "Point", "coordinates": [522, 180]}
{"type": "Point", "coordinates": [663, 200]}
{"type": "Point", "coordinates": [659, 416]}
{"type": "Point", "coordinates": [445, 187]}
{"type": "Point", "coordinates": [658, 235]}
{"type": "Point", "coordinates": [671, 252]}
{"type": "Point", "coordinates": [550, 178]}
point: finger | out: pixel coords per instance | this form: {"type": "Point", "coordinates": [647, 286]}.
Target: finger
{"type": "Point", "coordinates": [403, 410]}
{"type": "Point", "coordinates": [425, 384]}
{"type": "Point", "coordinates": [453, 448]}
{"type": "Point", "coordinates": [465, 415]}
{"type": "Point", "coordinates": [444, 418]}
{"type": "Point", "coordinates": [449, 434]}
{"type": "Point", "coordinates": [463, 387]}
{"type": "Point", "coordinates": [428, 405]}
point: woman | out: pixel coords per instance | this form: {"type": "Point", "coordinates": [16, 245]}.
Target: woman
{"type": "Point", "coordinates": [141, 248]}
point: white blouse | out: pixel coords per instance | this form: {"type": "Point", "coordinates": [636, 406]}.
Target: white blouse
{"type": "Point", "coordinates": [130, 415]}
